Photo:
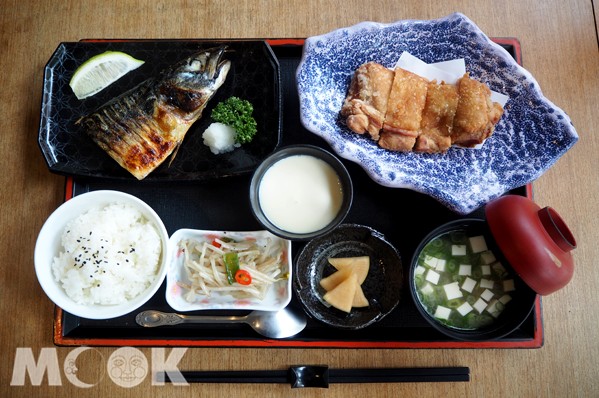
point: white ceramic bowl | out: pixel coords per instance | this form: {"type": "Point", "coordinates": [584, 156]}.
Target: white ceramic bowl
{"type": "Point", "coordinates": [276, 298]}
{"type": "Point", "coordinates": [303, 150]}
{"type": "Point", "coordinates": [49, 245]}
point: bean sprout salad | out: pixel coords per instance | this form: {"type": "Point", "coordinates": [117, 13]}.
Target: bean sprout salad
{"type": "Point", "coordinates": [240, 268]}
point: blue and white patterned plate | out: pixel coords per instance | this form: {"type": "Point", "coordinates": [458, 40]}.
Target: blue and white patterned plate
{"type": "Point", "coordinates": [531, 135]}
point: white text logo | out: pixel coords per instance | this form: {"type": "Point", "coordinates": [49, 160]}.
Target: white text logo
{"type": "Point", "coordinates": [126, 367]}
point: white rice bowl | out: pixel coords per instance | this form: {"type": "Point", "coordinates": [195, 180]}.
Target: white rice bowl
{"type": "Point", "coordinates": [111, 255]}
{"type": "Point", "coordinates": [101, 254]}
{"type": "Point", "coordinates": [220, 138]}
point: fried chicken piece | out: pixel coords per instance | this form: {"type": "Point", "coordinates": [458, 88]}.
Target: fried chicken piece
{"type": "Point", "coordinates": [404, 111]}
{"type": "Point", "coordinates": [401, 142]}
{"type": "Point", "coordinates": [476, 115]}
{"type": "Point", "coordinates": [366, 102]}
{"type": "Point", "coordinates": [437, 118]}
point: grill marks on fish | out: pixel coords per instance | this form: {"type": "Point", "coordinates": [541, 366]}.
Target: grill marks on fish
{"type": "Point", "coordinates": [135, 139]}
{"type": "Point", "coordinates": [144, 126]}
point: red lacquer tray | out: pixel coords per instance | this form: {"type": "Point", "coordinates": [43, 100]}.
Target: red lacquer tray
{"type": "Point", "coordinates": [200, 205]}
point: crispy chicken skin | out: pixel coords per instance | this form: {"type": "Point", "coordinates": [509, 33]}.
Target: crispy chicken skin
{"type": "Point", "coordinates": [476, 114]}
{"type": "Point", "coordinates": [406, 103]}
{"type": "Point", "coordinates": [366, 102]}
{"type": "Point", "coordinates": [437, 118]}
{"type": "Point", "coordinates": [405, 112]}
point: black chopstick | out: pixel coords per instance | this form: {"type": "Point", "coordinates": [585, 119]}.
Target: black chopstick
{"type": "Point", "coordinates": [400, 375]}
{"type": "Point", "coordinates": [321, 376]}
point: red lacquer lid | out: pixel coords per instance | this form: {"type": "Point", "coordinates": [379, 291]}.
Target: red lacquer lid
{"type": "Point", "coordinates": [536, 242]}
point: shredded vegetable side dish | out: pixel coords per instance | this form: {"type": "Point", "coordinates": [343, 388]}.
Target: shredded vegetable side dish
{"type": "Point", "coordinates": [240, 268]}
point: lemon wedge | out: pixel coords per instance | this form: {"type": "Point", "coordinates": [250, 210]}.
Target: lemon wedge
{"type": "Point", "coordinates": [100, 71]}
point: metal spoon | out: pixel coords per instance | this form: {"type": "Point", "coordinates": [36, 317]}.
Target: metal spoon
{"type": "Point", "coordinates": [274, 324]}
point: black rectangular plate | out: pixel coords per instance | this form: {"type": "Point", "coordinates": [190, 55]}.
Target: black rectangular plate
{"type": "Point", "coordinates": [254, 75]}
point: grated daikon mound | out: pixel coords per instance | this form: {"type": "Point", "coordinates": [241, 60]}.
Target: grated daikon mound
{"type": "Point", "coordinates": [220, 138]}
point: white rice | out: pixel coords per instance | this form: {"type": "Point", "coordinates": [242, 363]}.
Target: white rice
{"type": "Point", "coordinates": [111, 255]}
{"type": "Point", "coordinates": [220, 138]}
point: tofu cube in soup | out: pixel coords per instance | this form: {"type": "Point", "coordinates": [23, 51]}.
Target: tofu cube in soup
{"type": "Point", "coordinates": [442, 312]}
{"type": "Point", "coordinates": [478, 244]}
{"type": "Point", "coordinates": [469, 285]}
{"type": "Point", "coordinates": [487, 295]}
{"type": "Point", "coordinates": [441, 265]}
{"type": "Point", "coordinates": [458, 250]}
{"type": "Point", "coordinates": [465, 269]}
{"type": "Point", "coordinates": [486, 284]}
{"type": "Point", "coordinates": [452, 291]}
{"type": "Point", "coordinates": [480, 305]}
{"type": "Point", "coordinates": [432, 277]}
{"type": "Point", "coordinates": [465, 309]}
{"type": "Point", "coordinates": [488, 257]}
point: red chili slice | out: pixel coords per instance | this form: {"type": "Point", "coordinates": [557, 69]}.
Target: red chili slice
{"type": "Point", "coordinates": [243, 277]}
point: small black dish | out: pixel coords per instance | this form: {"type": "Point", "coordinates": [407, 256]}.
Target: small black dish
{"type": "Point", "coordinates": [516, 311]}
{"type": "Point", "coordinates": [382, 286]}
{"type": "Point", "coordinates": [310, 150]}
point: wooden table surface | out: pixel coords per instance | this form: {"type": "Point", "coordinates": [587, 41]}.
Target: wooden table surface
{"type": "Point", "coordinates": [559, 47]}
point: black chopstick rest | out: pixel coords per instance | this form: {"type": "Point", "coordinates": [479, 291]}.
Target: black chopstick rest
{"type": "Point", "coordinates": [309, 376]}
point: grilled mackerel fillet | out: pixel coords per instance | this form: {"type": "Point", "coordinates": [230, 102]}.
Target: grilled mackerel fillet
{"type": "Point", "coordinates": [143, 126]}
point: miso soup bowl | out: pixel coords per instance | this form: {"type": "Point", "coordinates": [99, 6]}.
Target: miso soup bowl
{"type": "Point", "coordinates": [261, 213]}
{"type": "Point", "coordinates": [514, 313]}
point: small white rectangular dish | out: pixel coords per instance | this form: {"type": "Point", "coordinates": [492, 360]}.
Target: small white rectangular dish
{"type": "Point", "coordinates": [178, 281]}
